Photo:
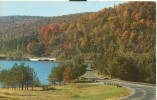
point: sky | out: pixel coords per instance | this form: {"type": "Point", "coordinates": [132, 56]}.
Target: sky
{"type": "Point", "coordinates": [51, 8]}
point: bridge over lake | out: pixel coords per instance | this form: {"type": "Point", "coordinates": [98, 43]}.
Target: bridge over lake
{"type": "Point", "coordinates": [40, 59]}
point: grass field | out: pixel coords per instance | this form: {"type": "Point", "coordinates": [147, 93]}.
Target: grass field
{"type": "Point", "coordinates": [75, 91]}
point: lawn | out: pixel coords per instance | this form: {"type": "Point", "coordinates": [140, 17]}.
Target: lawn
{"type": "Point", "coordinates": [74, 91]}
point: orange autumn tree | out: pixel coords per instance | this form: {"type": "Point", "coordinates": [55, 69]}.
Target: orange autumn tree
{"type": "Point", "coordinates": [29, 47]}
{"type": "Point", "coordinates": [47, 32]}
{"type": "Point", "coordinates": [84, 41]}
{"type": "Point", "coordinates": [67, 75]}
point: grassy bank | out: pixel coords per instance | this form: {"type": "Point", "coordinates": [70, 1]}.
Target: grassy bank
{"type": "Point", "coordinates": [75, 91]}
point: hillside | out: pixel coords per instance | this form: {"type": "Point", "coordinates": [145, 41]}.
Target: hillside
{"type": "Point", "coordinates": [14, 26]}
{"type": "Point", "coordinates": [120, 41]}
{"type": "Point", "coordinates": [126, 28]}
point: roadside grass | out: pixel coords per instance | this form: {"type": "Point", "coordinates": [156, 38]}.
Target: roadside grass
{"type": "Point", "coordinates": [73, 91]}
{"type": "Point", "coordinates": [102, 76]}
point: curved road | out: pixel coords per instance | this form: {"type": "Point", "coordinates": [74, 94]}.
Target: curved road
{"type": "Point", "coordinates": [139, 92]}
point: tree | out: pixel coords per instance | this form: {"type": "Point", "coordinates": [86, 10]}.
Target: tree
{"type": "Point", "coordinates": [36, 49]}
{"type": "Point", "coordinates": [67, 75]}
{"type": "Point", "coordinates": [29, 48]}
{"type": "Point", "coordinates": [67, 71]}
{"type": "Point", "coordinates": [79, 68]}
{"type": "Point", "coordinates": [53, 77]}
{"type": "Point", "coordinates": [19, 76]}
{"type": "Point", "coordinates": [84, 41]}
{"type": "Point", "coordinates": [4, 78]}
{"type": "Point", "coordinates": [57, 72]}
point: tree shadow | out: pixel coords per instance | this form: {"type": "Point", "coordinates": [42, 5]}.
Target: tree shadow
{"type": "Point", "coordinates": [3, 97]}
{"type": "Point", "coordinates": [23, 95]}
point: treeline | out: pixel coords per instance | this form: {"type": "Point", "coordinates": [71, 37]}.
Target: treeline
{"type": "Point", "coordinates": [131, 67]}
{"type": "Point", "coordinates": [67, 71]}
{"type": "Point", "coordinates": [12, 27]}
{"type": "Point", "coordinates": [15, 49]}
{"type": "Point", "coordinates": [19, 76]}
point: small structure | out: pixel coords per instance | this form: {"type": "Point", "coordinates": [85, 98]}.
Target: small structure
{"type": "Point", "coordinates": [41, 59]}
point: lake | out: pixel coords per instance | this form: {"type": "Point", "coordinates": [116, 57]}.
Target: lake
{"type": "Point", "coordinates": [42, 68]}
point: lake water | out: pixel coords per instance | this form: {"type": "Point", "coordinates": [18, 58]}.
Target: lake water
{"type": "Point", "coordinates": [42, 68]}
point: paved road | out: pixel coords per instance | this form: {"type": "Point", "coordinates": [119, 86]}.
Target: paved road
{"type": "Point", "coordinates": [139, 92]}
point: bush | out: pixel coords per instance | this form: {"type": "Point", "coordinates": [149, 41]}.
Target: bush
{"type": "Point", "coordinates": [46, 87]}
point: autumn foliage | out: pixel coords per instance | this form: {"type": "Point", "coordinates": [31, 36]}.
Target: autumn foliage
{"type": "Point", "coordinates": [122, 26]}
{"type": "Point", "coordinates": [67, 75]}
{"type": "Point", "coordinates": [126, 29]}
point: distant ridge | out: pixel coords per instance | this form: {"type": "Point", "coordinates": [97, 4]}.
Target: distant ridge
{"type": "Point", "coordinates": [15, 26]}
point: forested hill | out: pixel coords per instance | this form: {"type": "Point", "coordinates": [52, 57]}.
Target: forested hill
{"type": "Point", "coordinates": [14, 26]}
{"type": "Point", "coordinates": [120, 41]}
{"type": "Point", "coordinates": [128, 27]}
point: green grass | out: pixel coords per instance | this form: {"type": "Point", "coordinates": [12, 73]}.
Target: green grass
{"type": "Point", "coordinates": [74, 91]}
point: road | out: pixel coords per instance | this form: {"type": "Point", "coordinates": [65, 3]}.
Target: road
{"type": "Point", "coordinates": [139, 92]}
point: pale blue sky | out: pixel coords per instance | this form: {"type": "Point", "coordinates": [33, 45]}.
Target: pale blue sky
{"type": "Point", "coordinates": [51, 8]}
